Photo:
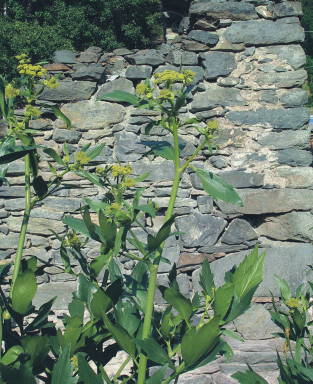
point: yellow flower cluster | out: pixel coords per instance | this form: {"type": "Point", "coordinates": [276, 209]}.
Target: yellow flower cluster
{"type": "Point", "coordinates": [171, 77]}
{"type": "Point", "coordinates": [119, 170]}
{"type": "Point", "coordinates": [82, 158]}
{"type": "Point", "coordinates": [113, 206]}
{"type": "Point", "coordinates": [166, 94]}
{"type": "Point", "coordinates": [293, 303]}
{"type": "Point", "coordinates": [128, 183]}
{"type": "Point", "coordinates": [73, 240]}
{"type": "Point", "coordinates": [52, 83]}
{"type": "Point", "coordinates": [32, 111]}
{"type": "Point", "coordinates": [10, 91]}
{"type": "Point", "coordinates": [66, 159]}
{"type": "Point", "coordinates": [141, 89]}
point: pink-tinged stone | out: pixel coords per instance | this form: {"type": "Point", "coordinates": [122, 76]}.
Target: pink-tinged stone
{"type": "Point", "coordinates": [56, 67]}
{"type": "Point", "coordinates": [193, 259]}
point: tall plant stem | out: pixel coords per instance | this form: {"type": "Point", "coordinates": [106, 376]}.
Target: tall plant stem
{"type": "Point", "coordinates": [154, 268]}
{"type": "Point", "coordinates": [21, 240]}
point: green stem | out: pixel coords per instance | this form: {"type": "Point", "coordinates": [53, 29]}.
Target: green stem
{"type": "Point", "coordinates": [193, 156]}
{"type": "Point", "coordinates": [21, 240]}
{"type": "Point", "coordinates": [141, 248]}
{"type": "Point", "coordinates": [154, 268]}
{"type": "Point", "coordinates": [104, 375]}
{"type": "Point", "coordinates": [178, 371]}
{"type": "Point", "coordinates": [121, 368]}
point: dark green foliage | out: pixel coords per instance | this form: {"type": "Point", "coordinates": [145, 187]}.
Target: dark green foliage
{"type": "Point", "coordinates": [39, 27]}
{"type": "Point", "coordinates": [307, 24]}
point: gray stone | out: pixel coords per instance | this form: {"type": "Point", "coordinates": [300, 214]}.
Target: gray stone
{"type": "Point", "coordinates": [15, 204]}
{"type": "Point", "coordinates": [92, 72]}
{"type": "Point", "coordinates": [215, 97]}
{"type": "Point", "coordinates": [221, 250]}
{"type": "Point", "coordinates": [183, 284]}
{"type": "Point", "coordinates": [239, 231]}
{"type": "Point", "coordinates": [268, 97]}
{"type": "Point", "coordinates": [213, 11]}
{"type": "Point", "coordinates": [181, 57]}
{"type": "Point", "coordinates": [204, 25]}
{"type": "Point", "coordinates": [203, 37]}
{"type": "Point", "coordinates": [271, 118]}
{"type": "Point", "coordinates": [105, 156]}
{"type": "Point", "coordinates": [63, 204]}
{"type": "Point", "coordinates": [87, 115]}
{"type": "Point", "coordinates": [161, 170]}
{"type": "Point", "coordinates": [228, 81]}
{"type": "Point", "coordinates": [295, 177]}
{"type": "Point", "coordinates": [43, 213]}
{"type": "Point", "coordinates": [171, 254]}
{"type": "Point", "coordinates": [265, 32]}
{"type": "Point", "coordinates": [241, 179]}
{"type": "Point", "coordinates": [40, 124]}
{"type": "Point", "coordinates": [219, 162]}
{"type": "Point", "coordinates": [291, 226]}
{"type": "Point", "coordinates": [288, 8]}
{"type": "Point", "coordinates": [194, 46]}
{"type": "Point", "coordinates": [46, 292]}
{"type": "Point", "coordinates": [13, 191]}
{"type": "Point", "coordinates": [122, 51]}
{"type": "Point", "coordinates": [184, 25]}
{"type": "Point", "coordinates": [294, 98]}
{"type": "Point", "coordinates": [261, 201]}
{"type": "Point", "coordinates": [197, 70]}
{"type": "Point", "coordinates": [65, 57]}
{"type": "Point", "coordinates": [218, 64]}
{"type": "Point", "coordinates": [37, 226]}
{"type": "Point", "coordinates": [199, 229]}
{"type": "Point", "coordinates": [116, 85]}
{"type": "Point", "coordinates": [294, 157]}
{"type": "Point", "coordinates": [88, 57]}
{"type": "Point", "coordinates": [293, 55]}
{"type": "Point", "coordinates": [256, 323]}
{"type": "Point", "coordinates": [63, 135]}
{"type": "Point", "coordinates": [138, 72]}
{"type": "Point", "coordinates": [69, 91]}
{"type": "Point", "coordinates": [289, 263]}
{"type": "Point", "coordinates": [10, 241]}
{"type": "Point", "coordinates": [205, 204]}
{"type": "Point", "coordinates": [127, 147]}
{"type": "Point", "coordinates": [146, 57]}
{"type": "Point", "coordinates": [282, 79]}
{"type": "Point", "coordinates": [286, 139]}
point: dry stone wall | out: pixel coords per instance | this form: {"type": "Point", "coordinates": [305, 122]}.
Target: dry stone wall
{"type": "Point", "coordinates": [249, 69]}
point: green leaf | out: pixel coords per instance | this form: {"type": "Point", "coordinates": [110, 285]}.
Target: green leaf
{"type": "Point", "coordinates": [126, 314]}
{"type": "Point", "coordinates": [76, 308]}
{"type": "Point", "coordinates": [15, 152]}
{"type": "Point", "coordinates": [63, 372]}
{"type": "Point", "coordinates": [194, 345]}
{"type": "Point", "coordinates": [99, 262]}
{"type": "Point", "coordinates": [207, 278]}
{"type": "Point", "coordinates": [86, 374]}
{"type": "Point", "coordinates": [61, 116]}
{"type": "Point", "coordinates": [80, 226]}
{"type": "Point", "coordinates": [40, 319]}
{"type": "Point", "coordinates": [158, 376]}
{"type": "Point", "coordinates": [120, 96]}
{"type": "Point", "coordinates": [115, 272]}
{"type": "Point", "coordinates": [96, 205]}
{"type": "Point", "coordinates": [108, 229]}
{"type": "Point", "coordinates": [249, 377]}
{"type": "Point", "coordinates": [231, 333]}
{"type": "Point", "coordinates": [179, 302]}
{"type": "Point", "coordinates": [149, 127]}
{"type": "Point", "coordinates": [85, 290]}
{"type": "Point", "coordinates": [72, 333]}
{"type": "Point", "coordinates": [22, 374]}
{"type": "Point", "coordinates": [166, 322]}
{"type": "Point", "coordinates": [147, 209]}
{"type": "Point", "coordinates": [100, 303]}
{"type": "Point", "coordinates": [40, 187]}
{"type": "Point", "coordinates": [24, 290]}
{"type": "Point", "coordinates": [65, 259]}
{"type": "Point", "coordinates": [142, 177]}
{"type": "Point", "coordinates": [154, 351]}
{"type": "Point", "coordinates": [163, 234]}
{"type": "Point", "coordinates": [180, 102]}
{"type": "Point", "coordinates": [217, 188]}
{"type": "Point", "coordinates": [249, 274]}
{"type": "Point", "coordinates": [12, 355]}
{"type": "Point", "coordinates": [121, 336]}
{"type": "Point", "coordinates": [162, 148]}
{"type": "Point", "coordinates": [284, 288]}
{"type": "Point", "coordinates": [52, 153]}
{"type": "Point", "coordinates": [3, 105]}
{"type": "Point", "coordinates": [223, 297]}
{"type": "Point", "coordinates": [193, 120]}
{"type": "Point", "coordinates": [37, 346]}
{"type": "Point", "coordinates": [93, 153]}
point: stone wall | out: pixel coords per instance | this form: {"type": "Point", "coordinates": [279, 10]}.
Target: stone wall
{"type": "Point", "coordinates": [249, 72]}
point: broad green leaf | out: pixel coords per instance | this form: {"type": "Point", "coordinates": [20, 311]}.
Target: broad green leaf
{"type": "Point", "coordinates": [231, 333]}
{"type": "Point", "coordinates": [121, 96]}
{"type": "Point", "coordinates": [4, 271]}
{"type": "Point", "coordinates": [85, 290]}
{"type": "Point", "coordinates": [126, 314]}
{"type": "Point", "coordinates": [12, 355]}
{"type": "Point", "coordinates": [63, 371]}
{"type": "Point", "coordinates": [163, 234]}
{"type": "Point", "coordinates": [217, 188]}
{"type": "Point", "coordinates": [147, 209]}
{"type": "Point", "coordinates": [162, 148]}
{"type": "Point", "coordinates": [72, 333]}
{"type": "Point", "coordinates": [240, 306]}
{"type": "Point", "coordinates": [207, 278]}
{"type": "Point", "coordinates": [24, 290]}
{"type": "Point", "coordinates": [43, 313]}
{"type": "Point", "coordinates": [194, 345]}
{"type": "Point", "coordinates": [284, 288]}
{"type": "Point", "coordinates": [142, 177]}
{"type": "Point", "coordinates": [3, 105]}
{"type": "Point", "coordinates": [306, 373]}
{"type": "Point", "coordinates": [180, 102]}
{"type": "Point", "coordinates": [40, 187]}
{"type": "Point", "coordinates": [249, 274]}
{"type": "Point", "coordinates": [249, 377]}
{"type": "Point", "coordinates": [154, 351]}
{"type": "Point", "coordinates": [28, 141]}
{"type": "Point", "coordinates": [149, 127]}
{"type": "Point", "coordinates": [94, 179]}
{"type": "Point", "coordinates": [15, 152]}
{"type": "Point", "coordinates": [76, 308]}
{"type": "Point", "coordinates": [223, 297]}
{"type": "Point", "coordinates": [86, 374]}
{"type": "Point", "coordinates": [99, 262]}
{"type": "Point", "coordinates": [93, 153]}
{"type": "Point", "coordinates": [37, 346]}
{"type": "Point", "coordinates": [80, 226]}
{"type": "Point", "coordinates": [22, 374]}
{"type": "Point", "coordinates": [166, 322]}
{"type": "Point", "coordinates": [179, 302]}
{"type": "Point", "coordinates": [30, 263]}
{"type": "Point", "coordinates": [158, 376]}
{"type": "Point", "coordinates": [299, 322]}
{"type": "Point", "coordinates": [192, 120]}
{"type": "Point", "coordinates": [61, 116]}
{"type": "Point", "coordinates": [96, 205]}
{"type": "Point", "coordinates": [65, 259]}
{"type": "Point", "coordinates": [115, 272]}
{"type": "Point", "coordinates": [284, 374]}
{"type": "Point", "coordinates": [121, 336]}
{"type": "Point", "coordinates": [100, 303]}
{"type": "Point", "coordinates": [52, 153]}
{"type": "Point", "coordinates": [108, 229]}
